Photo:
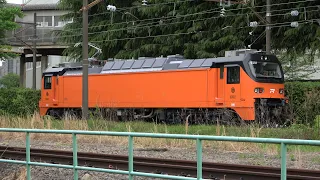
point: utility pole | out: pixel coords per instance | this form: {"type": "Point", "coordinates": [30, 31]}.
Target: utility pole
{"type": "Point", "coordinates": [34, 52]}
{"type": "Point", "coordinates": [85, 62]}
{"type": "Point", "coordinates": [33, 49]}
{"type": "Point", "coordinates": [268, 28]}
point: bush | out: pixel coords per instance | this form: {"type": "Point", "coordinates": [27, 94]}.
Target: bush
{"type": "Point", "coordinates": [19, 101]}
{"type": "Point", "coordinates": [10, 80]}
{"type": "Point", "coordinates": [304, 101]}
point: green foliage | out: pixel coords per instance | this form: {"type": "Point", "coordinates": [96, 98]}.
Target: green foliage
{"type": "Point", "coordinates": [304, 104]}
{"type": "Point", "coordinates": [7, 16]}
{"type": "Point", "coordinates": [19, 101]}
{"type": "Point", "coordinates": [10, 80]}
{"type": "Point", "coordinates": [190, 28]}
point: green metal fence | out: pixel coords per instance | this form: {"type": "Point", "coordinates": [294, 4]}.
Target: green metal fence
{"type": "Point", "coordinates": [131, 135]}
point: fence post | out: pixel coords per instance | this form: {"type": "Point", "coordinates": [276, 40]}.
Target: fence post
{"type": "Point", "coordinates": [75, 155]}
{"type": "Point", "coordinates": [130, 149]}
{"type": "Point", "coordinates": [28, 155]}
{"type": "Point", "coordinates": [283, 161]}
{"type": "Point", "coordinates": [199, 159]}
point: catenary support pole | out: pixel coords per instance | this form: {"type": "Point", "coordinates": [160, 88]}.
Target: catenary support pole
{"type": "Point", "coordinates": [85, 61]}
{"type": "Point", "coordinates": [34, 74]}
{"type": "Point", "coordinates": [268, 28]}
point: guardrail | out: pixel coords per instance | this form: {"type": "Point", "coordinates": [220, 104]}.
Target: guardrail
{"type": "Point", "coordinates": [131, 135]}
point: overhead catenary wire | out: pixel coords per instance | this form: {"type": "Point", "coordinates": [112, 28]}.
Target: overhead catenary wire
{"type": "Point", "coordinates": [203, 12]}
{"type": "Point", "coordinates": [283, 25]}
{"type": "Point", "coordinates": [208, 11]}
{"type": "Point", "coordinates": [184, 33]}
{"type": "Point", "coordinates": [152, 24]}
{"type": "Point", "coordinates": [133, 7]}
{"type": "Point", "coordinates": [174, 18]}
{"type": "Point", "coordinates": [183, 16]}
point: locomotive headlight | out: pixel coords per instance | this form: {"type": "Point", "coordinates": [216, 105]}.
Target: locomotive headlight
{"type": "Point", "coordinates": [281, 91]}
{"type": "Point", "coordinates": [258, 90]}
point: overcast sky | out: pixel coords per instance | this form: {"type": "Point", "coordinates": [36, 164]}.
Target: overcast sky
{"type": "Point", "coordinates": [15, 1]}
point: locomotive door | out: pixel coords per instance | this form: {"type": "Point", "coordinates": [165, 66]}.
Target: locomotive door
{"type": "Point", "coordinates": [220, 85]}
{"type": "Point", "coordinates": [50, 90]}
{"type": "Point", "coordinates": [232, 87]}
{"type": "Point", "coordinates": [55, 84]}
{"type": "Point", "coordinates": [47, 94]}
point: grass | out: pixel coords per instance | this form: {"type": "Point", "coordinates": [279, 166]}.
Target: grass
{"type": "Point", "coordinates": [294, 132]}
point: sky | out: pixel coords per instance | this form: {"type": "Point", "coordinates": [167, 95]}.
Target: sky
{"type": "Point", "coordinates": [15, 1]}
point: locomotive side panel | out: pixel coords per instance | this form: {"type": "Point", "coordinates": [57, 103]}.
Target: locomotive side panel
{"type": "Point", "coordinates": [141, 90]}
{"type": "Point", "coordinates": [151, 90]}
{"type": "Point", "coordinates": [72, 91]}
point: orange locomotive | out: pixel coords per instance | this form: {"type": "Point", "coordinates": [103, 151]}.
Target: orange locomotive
{"type": "Point", "coordinates": [248, 87]}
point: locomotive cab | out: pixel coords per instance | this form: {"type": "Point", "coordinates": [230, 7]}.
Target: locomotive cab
{"type": "Point", "coordinates": [256, 81]}
{"type": "Point", "coordinates": [269, 94]}
{"type": "Point", "coordinates": [49, 90]}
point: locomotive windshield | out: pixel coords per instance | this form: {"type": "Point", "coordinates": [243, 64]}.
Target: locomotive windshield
{"type": "Point", "coordinates": [262, 69]}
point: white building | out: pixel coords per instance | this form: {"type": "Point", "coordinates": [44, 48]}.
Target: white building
{"type": "Point", "coordinates": [48, 17]}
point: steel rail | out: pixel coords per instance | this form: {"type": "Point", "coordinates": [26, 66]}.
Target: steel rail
{"type": "Point", "coordinates": [160, 166]}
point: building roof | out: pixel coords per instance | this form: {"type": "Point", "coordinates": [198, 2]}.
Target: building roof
{"type": "Point", "coordinates": [32, 7]}
{"type": "Point", "coordinates": [37, 5]}
{"type": "Point", "coordinates": [32, 2]}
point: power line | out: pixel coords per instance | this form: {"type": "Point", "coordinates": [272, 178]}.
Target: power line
{"type": "Point", "coordinates": [283, 24]}
{"type": "Point", "coordinates": [181, 16]}
{"type": "Point", "coordinates": [203, 12]}
{"type": "Point", "coordinates": [216, 10]}
{"type": "Point", "coordinates": [193, 32]}
{"type": "Point", "coordinates": [152, 24]}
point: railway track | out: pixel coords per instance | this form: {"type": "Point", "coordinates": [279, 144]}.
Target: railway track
{"type": "Point", "coordinates": [215, 171]}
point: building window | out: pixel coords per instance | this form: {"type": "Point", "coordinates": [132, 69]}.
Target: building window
{"type": "Point", "coordinates": [58, 22]}
{"type": "Point", "coordinates": [47, 82]}
{"type": "Point", "coordinates": [233, 75]}
{"type": "Point", "coordinates": [44, 21]}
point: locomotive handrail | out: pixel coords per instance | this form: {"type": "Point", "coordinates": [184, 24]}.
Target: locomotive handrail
{"type": "Point", "coordinates": [131, 135]}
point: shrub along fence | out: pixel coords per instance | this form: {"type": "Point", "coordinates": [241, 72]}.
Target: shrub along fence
{"type": "Point", "coordinates": [304, 103]}
{"type": "Point", "coordinates": [19, 101]}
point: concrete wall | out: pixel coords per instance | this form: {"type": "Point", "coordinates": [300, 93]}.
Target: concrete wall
{"type": "Point", "coordinates": [13, 66]}
{"type": "Point", "coordinates": [10, 66]}
{"type": "Point", "coordinates": [52, 61]}
{"type": "Point", "coordinates": [44, 13]}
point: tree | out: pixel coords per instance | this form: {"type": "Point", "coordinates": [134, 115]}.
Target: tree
{"type": "Point", "coordinates": [194, 29]}
{"type": "Point", "coordinates": [7, 15]}
{"type": "Point", "coordinates": [10, 80]}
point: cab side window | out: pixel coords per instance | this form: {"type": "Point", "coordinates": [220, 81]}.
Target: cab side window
{"type": "Point", "coordinates": [233, 75]}
{"type": "Point", "coordinates": [47, 82]}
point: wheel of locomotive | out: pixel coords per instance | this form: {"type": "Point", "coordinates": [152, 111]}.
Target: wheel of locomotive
{"type": "Point", "coordinates": [54, 113]}
{"type": "Point", "coordinates": [207, 116]}
{"type": "Point", "coordinates": [69, 114]}
{"type": "Point", "coordinates": [283, 116]}
{"type": "Point", "coordinates": [201, 117]}
{"type": "Point", "coordinates": [225, 116]}
{"type": "Point", "coordinates": [262, 115]}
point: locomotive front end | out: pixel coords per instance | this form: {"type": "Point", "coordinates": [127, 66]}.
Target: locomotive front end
{"type": "Point", "coordinates": [267, 89]}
